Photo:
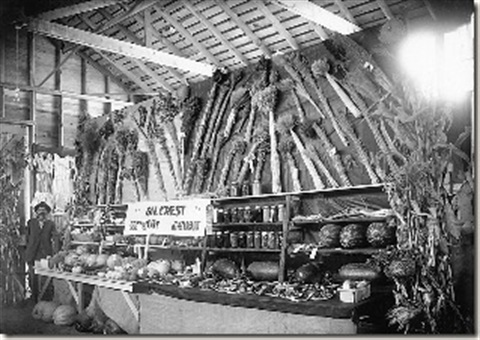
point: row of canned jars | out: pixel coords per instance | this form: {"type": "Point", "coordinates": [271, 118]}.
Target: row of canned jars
{"type": "Point", "coordinates": [257, 214]}
{"type": "Point", "coordinates": [247, 239]}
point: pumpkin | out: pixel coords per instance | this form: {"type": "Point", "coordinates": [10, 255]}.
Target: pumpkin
{"type": "Point", "coordinates": [91, 260]}
{"type": "Point", "coordinates": [264, 271]}
{"type": "Point", "coordinates": [44, 310]}
{"type": "Point", "coordinates": [329, 236]}
{"type": "Point", "coordinates": [225, 268]}
{"type": "Point", "coordinates": [162, 267]}
{"type": "Point", "coordinates": [64, 315]}
{"type": "Point", "coordinates": [114, 260]}
{"type": "Point", "coordinates": [380, 234]}
{"type": "Point", "coordinates": [353, 236]}
{"type": "Point", "coordinates": [101, 260]}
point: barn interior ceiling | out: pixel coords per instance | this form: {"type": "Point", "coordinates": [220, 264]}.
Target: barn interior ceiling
{"type": "Point", "coordinates": [154, 46]}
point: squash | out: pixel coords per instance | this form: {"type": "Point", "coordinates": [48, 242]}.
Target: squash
{"type": "Point", "coordinates": [264, 271]}
{"type": "Point", "coordinates": [309, 273]}
{"type": "Point", "coordinates": [44, 310]}
{"type": "Point", "coordinates": [101, 260]}
{"type": "Point", "coordinates": [114, 261]}
{"type": "Point", "coordinates": [380, 234]}
{"type": "Point", "coordinates": [64, 315]}
{"type": "Point", "coordinates": [81, 250]}
{"type": "Point", "coordinates": [353, 236]}
{"type": "Point", "coordinates": [71, 259]}
{"type": "Point", "coordinates": [359, 271]}
{"type": "Point", "coordinates": [225, 268]}
{"type": "Point", "coordinates": [329, 236]}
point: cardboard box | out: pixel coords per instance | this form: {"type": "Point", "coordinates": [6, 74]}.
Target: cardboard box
{"type": "Point", "coordinates": [354, 295]}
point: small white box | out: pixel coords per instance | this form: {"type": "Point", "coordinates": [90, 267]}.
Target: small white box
{"type": "Point", "coordinates": [354, 295]}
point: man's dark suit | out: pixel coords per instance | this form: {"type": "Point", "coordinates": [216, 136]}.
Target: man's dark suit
{"type": "Point", "coordinates": [39, 240]}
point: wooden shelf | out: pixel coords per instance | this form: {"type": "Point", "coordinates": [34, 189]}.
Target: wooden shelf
{"type": "Point", "coordinates": [244, 250]}
{"type": "Point", "coordinates": [182, 248]}
{"type": "Point", "coordinates": [328, 251]}
{"type": "Point", "coordinates": [340, 220]}
{"type": "Point", "coordinates": [249, 224]}
{"type": "Point", "coordinates": [280, 197]}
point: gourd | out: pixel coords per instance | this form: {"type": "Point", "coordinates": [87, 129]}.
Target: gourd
{"type": "Point", "coordinates": [329, 236]}
{"type": "Point", "coordinates": [353, 236]}
{"type": "Point", "coordinates": [44, 310]}
{"type": "Point", "coordinates": [113, 261]}
{"type": "Point", "coordinates": [264, 271]}
{"type": "Point", "coordinates": [359, 271]}
{"type": "Point", "coordinates": [64, 315]}
{"type": "Point", "coordinates": [225, 268]}
{"type": "Point", "coordinates": [380, 234]}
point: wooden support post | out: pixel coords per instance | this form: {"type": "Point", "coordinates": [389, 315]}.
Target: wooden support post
{"type": "Point", "coordinates": [2, 102]}
{"type": "Point", "coordinates": [2, 55]}
{"type": "Point", "coordinates": [83, 85]}
{"type": "Point", "coordinates": [107, 107]}
{"type": "Point", "coordinates": [283, 245]}
{"type": "Point", "coordinates": [31, 58]}
{"type": "Point", "coordinates": [59, 99]}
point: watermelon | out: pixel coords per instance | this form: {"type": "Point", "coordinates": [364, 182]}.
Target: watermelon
{"type": "Point", "coordinates": [329, 236]}
{"type": "Point", "coordinates": [225, 268]}
{"type": "Point", "coordinates": [309, 273]}
{"type": "Point", "coordinates": [359, 271]}
{"type": "Point", "coordinates": [353, 236]}
{"type": "Point", "coordinates": [380, 234]}
{"type": "Point", "coordinates": [264, 271]}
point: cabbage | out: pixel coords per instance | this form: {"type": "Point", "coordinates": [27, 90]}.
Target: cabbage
{"type": "Point", "coordinates": [64, 315]}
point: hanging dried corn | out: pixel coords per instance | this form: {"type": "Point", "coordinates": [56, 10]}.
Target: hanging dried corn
{"type": "Point", "coordinates": [244, 99]}
{"type": "Point", "coordinates": [343, 96]}
{"type": "Point", "coordinates": [237, 147]}
{"type": "Point", "coordinates": [312, 152]}
{"type": "Point", "coordinates": [259, 139]}
{"type": "Point", "coordinates": [217, 79]}
{"type": "Point", "coordinates": [286, 149]}
{"type": "Point", "coordinates": [332, 153]}
{"type": "Point", "coordinates": [317, 181]}
{"type": "Point", "coordinates": [261, 160]}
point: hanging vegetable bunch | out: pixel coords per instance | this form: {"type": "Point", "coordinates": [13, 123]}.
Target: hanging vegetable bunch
{"type": "Point", "coordinates": [126, 144]}
{"type": "Point", "coordinates": [426, 302]}
{"type": "Point", "coordinates": [12, 163]}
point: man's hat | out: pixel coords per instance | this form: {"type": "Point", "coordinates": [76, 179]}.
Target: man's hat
{"type": "Point", "coordinates": [42, 205]}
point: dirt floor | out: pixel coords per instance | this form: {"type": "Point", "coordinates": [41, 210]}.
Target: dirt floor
{"type": "Point", "coordinates": [18, 320]}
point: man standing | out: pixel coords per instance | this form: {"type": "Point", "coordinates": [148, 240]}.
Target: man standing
{"type": "Point", "coordinates": [42, 241]}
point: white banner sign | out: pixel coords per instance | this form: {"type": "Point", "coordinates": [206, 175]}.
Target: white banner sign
{"type": "Point", "coordinates": [179, 218]}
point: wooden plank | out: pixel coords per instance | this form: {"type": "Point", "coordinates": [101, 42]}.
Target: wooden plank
{"type": "Point", "coordinates": [277, 24]}
{"type": "Point", "coordinates": [115, 46]}
{"type": "Point", "coordinates": [76, 9]}
{"type": "Point", "coordinates": [31, 58]}
{"type": "Point", "coordinates": [147, 26]}
{"type": "Point", "coordinates": [152, 74]}
{"type": "Point", "coordinates": [319, 15]}
{"type": "Point", "coordinates": [385, 9]}
{"type": "Point", "coordinates": [344, 10]}
{"type": "Point", "coordinates": [2, 102]}
{"type": "Point", "coordinates": [186, 34]}
{"type": "Point", "coordinates": [215, 31]}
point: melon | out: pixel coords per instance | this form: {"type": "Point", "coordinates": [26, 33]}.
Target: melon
{"type": "Point", "coordinates": [380, 234]}
{"type": "Point", "coordinates": [264, 271]}
{"type": "Point", "coordinates": [91, 260]}
{"type": "Point", "coordinates": [329, 236]}
{"type": "Point", "coordinates": [308, 273]}
{"type": "Point", "coordinates": [44, 310]}
{"type": "Point", "coordinates": [101, 260]}
{"type": "Point", "coordinates": [225, 268]}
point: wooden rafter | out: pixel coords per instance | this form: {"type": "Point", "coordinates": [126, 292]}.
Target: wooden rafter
{"type": "Point", "coordinates": [132, 76]}
{"type": "Point", "coordinates": [147, 27]}
{"type": "Point", "coordinates": [76, 9]}
{"type": "Point", "coordinates": [152, 74]}
{"type": "Point", "coordinates": [215, 31]}
{"type": "Point", "coordinates": [117, 46]}
{"type": "Point", "coordinates": [321, 32]}
{"type": "Point", "coordinates": [319, 15]}
{"type": "Point", "coordinates": [385, 9]}
{"type": "Point", "coordinates": [130, 35]}
{"type": "Point", "coordinates": [186, 34]}
{"type": "Point", "coordinates": [277, 24]}
{"type": "Point", "coordinates": [244, 27]}
{"type": "Point", "coordinates": [345, 11]}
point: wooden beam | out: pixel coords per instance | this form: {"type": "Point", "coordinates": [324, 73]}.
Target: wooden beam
{"type": "Point", "coordinates": [130, 35]}
{"type": "Point", "coordinates": [277, 24]}
{"type": "Point", "coordinates": [66, 94]}
{"type": "Point", "coordinates": [385, 9]}
{"type": "Point", "coordinates": [132, 76]}
{"type": "Point", "coordinates": [186, 34]}
{"type": "Point", "coordinates": [2, 102]}
{"type": "Point", "coordinates": [319, 15]}
{"type": "Point", "coordinates": [320, 31]}
{"type": "Point", "coordinates": [147, 27]}
{"type": "Point", "coordinates": [83, 84]}
{"type": "Point", "coordinates": [116, 46]}
{"type": "Point", "coordinates": [152, 74]}
{"type": "Point", "coordinates": [345, 11]}
{"type": "Point", "coordinates": [31, 58]}
{"type": "Point", "coordinates": [107, 107]}
{"type": "Point", "coordinates": [244, 27]}
{"type": "Point", "coordinates": [2, 54]}
{"type": "Point", "coordinates": [215, 31]}
{"type": "Point", "coordinates": [76, 9]}
{"type": "Point", "coordinates": [58, 74]}
{"type": "Point", "coordinates": [16, 122]}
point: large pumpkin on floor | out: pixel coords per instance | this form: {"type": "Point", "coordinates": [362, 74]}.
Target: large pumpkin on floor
{"type": "Point", "coordinates": [113, 261]}
{"type": "Point", "coordinates": [64, 315]}
{"type": "Point", "coordinates": [44, 310]}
